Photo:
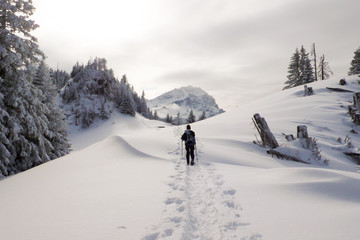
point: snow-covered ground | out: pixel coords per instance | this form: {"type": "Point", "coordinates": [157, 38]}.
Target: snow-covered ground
{"type": "Point", "coordinates": [127, 179]}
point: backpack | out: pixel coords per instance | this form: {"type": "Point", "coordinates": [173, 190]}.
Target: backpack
{"type": "Point", "coordinates": [190, 138]}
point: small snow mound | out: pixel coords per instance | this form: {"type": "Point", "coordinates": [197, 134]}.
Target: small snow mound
{"type": "Point", "coordinates": [120, 145]}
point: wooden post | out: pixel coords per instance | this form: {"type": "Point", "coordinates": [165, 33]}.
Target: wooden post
{"type": "Point", "coordinates": [357, 118]}
{"type": "Point", "coordinates": [266, 135]}
{"type": "Point", "coordinates": [308, 90]}
{"type": "Point", "coordinates": [302, 132]}
{"type": "Point", "coordinates": [352, 111]}
{"type": "Point", "coordinates": [356, 99]}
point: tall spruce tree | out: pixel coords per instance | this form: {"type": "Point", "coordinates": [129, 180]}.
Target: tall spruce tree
{"type": "Point", "coordinates": [143, 106]}
{"type": "Point", "coordinates": [300, 69]}
{"type": "Point", "coordinates": [126, 105]}
{"type": "Point", "coordinates": [306, 69]}
{"type": "Point", "coordinates": [5, 138]}
{"type": "Point", "coordinates": [355, 63]}
{"type": "Point", "coordinates": [202, 116]}
{"type": "Point", "coordinates": [57, 128]}
{"type": "Point", "coordinates": [169, 119]}
{"type": "Point", "coordinates": [294, 71]}
{"type": "Point", "coordinates": [25, 139]}
{"type": "Point", "coordinates": [191, 118]}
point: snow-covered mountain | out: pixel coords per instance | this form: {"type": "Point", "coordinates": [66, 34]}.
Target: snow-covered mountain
{"type": "Point", "coordinates": [127, 178]}
{"type": "Point", "coordinates": [182, 100]}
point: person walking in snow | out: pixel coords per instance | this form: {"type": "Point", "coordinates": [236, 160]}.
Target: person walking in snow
{"type": "Point", "coordinates": [190, 142]}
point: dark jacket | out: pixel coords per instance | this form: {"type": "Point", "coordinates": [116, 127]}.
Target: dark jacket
{"type": "Point", "coordinates": [188, 139]}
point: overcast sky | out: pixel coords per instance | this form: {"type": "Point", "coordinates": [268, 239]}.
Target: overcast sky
{"type": "Point", "coordinates": [236, 50]}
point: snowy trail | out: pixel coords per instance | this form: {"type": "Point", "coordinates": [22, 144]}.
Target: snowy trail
{"type": "Point", "coordinates": [199, 206]}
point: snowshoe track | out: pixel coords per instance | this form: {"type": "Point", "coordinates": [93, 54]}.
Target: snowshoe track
{"type": "Point", "coordinates": [199, 206]}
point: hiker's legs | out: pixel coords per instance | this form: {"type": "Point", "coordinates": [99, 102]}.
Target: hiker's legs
{"type": "Point", "coordinates": [192, 154]}
{"type": "Point", "coordinates": [187, 154]}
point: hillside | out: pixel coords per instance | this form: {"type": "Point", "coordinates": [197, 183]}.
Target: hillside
{"type": "Point", "coordinates": [127, 179]}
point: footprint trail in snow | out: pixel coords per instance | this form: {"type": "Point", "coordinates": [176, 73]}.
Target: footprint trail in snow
{"type": "Point", "coordinates": [199, 206]}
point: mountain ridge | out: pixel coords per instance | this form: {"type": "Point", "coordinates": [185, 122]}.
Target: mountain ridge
{"type": "Point", "coordinates": [184, 99]}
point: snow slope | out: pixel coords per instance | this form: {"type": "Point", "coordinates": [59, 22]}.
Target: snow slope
{"type": "Point", "coordinates": [127, 179]}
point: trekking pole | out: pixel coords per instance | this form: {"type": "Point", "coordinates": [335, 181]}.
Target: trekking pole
{"type": "Point", "coordinates": [182, 149]}
{"type": "Point", "coordinates": [196, 154]}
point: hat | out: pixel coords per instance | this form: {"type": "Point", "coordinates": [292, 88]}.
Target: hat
{"type": "Point", "coordinates": [188, 127]}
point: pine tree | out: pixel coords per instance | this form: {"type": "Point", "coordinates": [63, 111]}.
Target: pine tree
{"type": "Point", "coordinates": [203, 116]}
{"type": "Point", "coordinates": [355, 63]}
{"type": "Point", "coordinates": [300, 69]}
{"type": "Point", "coordinates": [143, 105]}
{"type": "Point", "coordinates": [57, 128]}
{"type": "Point", "coordinates": [18, 48]}
{"type": "Point", "coordinates": [191, 118]}
{"type": "Point", "coordinates": [294, 71]}
{"type": "Point", "coordinates": [156, 116]}
{"type": "Point", "coordinates": [306, 70]}
{"type": "Point", "coordinates": [60, 78]}
{"type": "Point", "coordinates": [24, 118]}
{"type": "Point", "coordinates": [126, 105]}
{"type": "Point", "coordinates": [169, 119]}
{"type": "Point", "coordinates": [5, 141]}
{"type": "Point", "coordinates": [324, 69]}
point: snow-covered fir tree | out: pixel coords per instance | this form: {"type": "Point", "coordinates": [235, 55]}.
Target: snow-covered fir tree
{"type": "Point", "coordinates": [294, 71]}
{"type": "Point", "coordinates": [57, 127]}
{"type": "Point", "coordinates": [5, 138]}
{"type": "Point", "coordinates": [125, 100]}
{"type": "Point", "coordinates": [60, 78]}
{"type": "Point", "coordinates": [143, 109]}
{"type": "Point", "coordinates": [25, 138]}
{"type": "Point", "coordinates": [191, 118]}
{"type": "Point", "coordinates": [300, 70]}
{"type": "Point", "coordinates": [355, 63]}
{"type": "Point", "coordinates": [306, 69]}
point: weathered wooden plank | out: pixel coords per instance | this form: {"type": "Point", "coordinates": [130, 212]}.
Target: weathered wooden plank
{"type": "Point", "coordinates": [265, 134]}
{"type": "Point", "coordinates": [339, 89]}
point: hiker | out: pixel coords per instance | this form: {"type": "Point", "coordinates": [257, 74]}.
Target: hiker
{"type": "Point", "coordinates": [189, 138]}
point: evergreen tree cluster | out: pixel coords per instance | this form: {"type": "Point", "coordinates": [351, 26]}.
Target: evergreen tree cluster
{"type": "Point", "coordinates": [93, 93]}
{"type": "Point", "coordinates": [301, 71]}
{"type": "Point", "coordinates": [355, 63]}
{"type": "Point", "coordinates": [191, 118]}
{"type": "Point", "coordinates": [60, 78]}
{"type": "Point", "coordinates": [32, 128]}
